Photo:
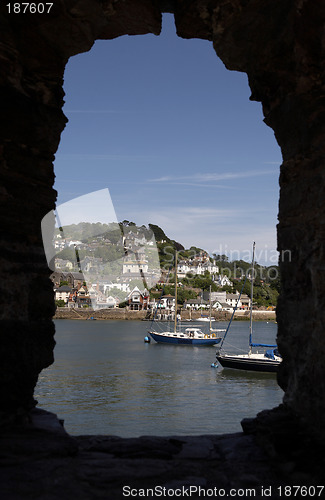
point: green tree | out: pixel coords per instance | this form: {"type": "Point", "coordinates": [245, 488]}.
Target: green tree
{"type": "Point", "coordinates": [158, 232]}
{"type": "Point", "coordinates": [274, 278]}
{"type": "Point", "coordinates": [220, 258]}
{"type": "Point", "coordinates": [67, 254]}
{"type": "Point", "coordinates": [183, 295]}
{"type": "Point", "coordinates": [243, 286]}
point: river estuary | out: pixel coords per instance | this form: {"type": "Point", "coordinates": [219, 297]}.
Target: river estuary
{"type": "Point", "coordinates": [107, 380]}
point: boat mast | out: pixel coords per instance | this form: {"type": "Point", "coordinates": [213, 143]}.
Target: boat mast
{"type": "Point", "coordinates": [210, 309]}
{"type": "Point", "coordinates": [251, 305]}
{"type": "Point", "coordinates": [175, 313]}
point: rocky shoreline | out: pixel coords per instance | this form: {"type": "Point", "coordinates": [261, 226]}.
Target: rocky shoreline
{"type": "Point", "coordinates": [125, 314]}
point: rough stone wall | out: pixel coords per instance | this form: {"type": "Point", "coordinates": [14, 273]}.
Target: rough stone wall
{"type": "Point", "coordinates": [31, 121]}
{"type": "Point", "coordinates": [34, 49]}
{"type": "Point", "coordinates": [280, 45]}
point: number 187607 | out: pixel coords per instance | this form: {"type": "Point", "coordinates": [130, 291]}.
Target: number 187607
{"type": "Point", "coordinates": [29, 8]}
{"type": "Point", "coordinates": [300, 491]}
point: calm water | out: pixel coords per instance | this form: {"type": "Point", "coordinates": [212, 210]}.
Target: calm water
{"type": "Point", "coordinates": [106, 380]}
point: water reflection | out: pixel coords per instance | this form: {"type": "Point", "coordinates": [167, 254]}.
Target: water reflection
{"type": "Point", "coordinates": [107, 380]}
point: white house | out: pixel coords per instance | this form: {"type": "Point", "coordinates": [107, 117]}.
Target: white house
{"type": "Point", "coordinates": [195, 267]}
{"type": "Point", "coordinates": [62, 293]}
{"type": "Point", "coordinates": [123, 287]}
{"type": "Point", "coordinates": [223, 280]}
{"type": "Point", "coordinates": [196, 304]}
{"type": "Point", "coordinates": [243, 303]}
{"type": "Point", "coordinates": [232, 299]}
{"type": "Point", "coordinates": [166, 302]}
{"type": "Point", "coordinates": [103, 302]}
{"type": "Point", "coordinates": [135, 264]}
{"type": "Point", "coordinates": [112, 301]}
{"type": "Point", "coordinates": [209, 267]}
{"type": "Point", "coordinates": [183, 268]}
{"type": "Point", "coordinates": [218, 306]}
{"type": "Point", "coordinates": [59, 243]}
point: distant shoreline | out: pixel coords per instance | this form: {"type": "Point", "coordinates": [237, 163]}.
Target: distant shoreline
{"type": "Point", "coordinates": [126, 315]}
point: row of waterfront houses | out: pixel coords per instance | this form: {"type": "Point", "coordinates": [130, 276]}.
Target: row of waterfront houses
{"type": "Point", "coordinates": [76, 293]}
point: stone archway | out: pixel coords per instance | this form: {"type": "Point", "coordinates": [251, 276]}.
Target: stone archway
{"type": "Point", "coordinates": [280, 45]}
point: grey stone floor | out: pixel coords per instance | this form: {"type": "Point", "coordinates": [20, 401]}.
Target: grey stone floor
{"type": "Point", "coordinates": [41, 461]}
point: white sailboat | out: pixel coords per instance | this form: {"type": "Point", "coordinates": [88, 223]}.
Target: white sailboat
{"type": "Point", "coordinates": [190, 336]}
{"type": "Point", "coordinates": [205, 319]}
{"type": "Point", "coordinates": [268, 361]}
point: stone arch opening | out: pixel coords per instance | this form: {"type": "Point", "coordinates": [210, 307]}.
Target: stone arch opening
{"type": "Point", "coordinates": [280, 45]}
{"type": "Point", "coordinates": [89, 90]}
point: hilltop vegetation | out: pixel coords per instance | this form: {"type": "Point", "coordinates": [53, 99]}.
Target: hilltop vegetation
{"type": "Point", "coordinates": [105, 242]}
{"type": "Point", "coordinates": [87, 231]}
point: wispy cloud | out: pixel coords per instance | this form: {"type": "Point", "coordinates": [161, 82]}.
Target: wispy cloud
{"type": "Point", "coordinates": [212, 176]}
{"type": "Point", "coordinates": [204, 185]}
{"type": "Point", "coordinates": [189, 220]}
{"type": "Point", "coordinates": [95, 156]}
{"type": "Point", "coordinates": [204, 212]}
{"type": "Point", "coordinates": [230, 231]}
{"type": "Point", "coordinates": [93, 111]}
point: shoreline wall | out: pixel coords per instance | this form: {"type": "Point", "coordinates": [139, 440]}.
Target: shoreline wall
{"type": "Point", "coordinates": [124, 314]}
{"type": "Point", "coordinates": [101, 314]}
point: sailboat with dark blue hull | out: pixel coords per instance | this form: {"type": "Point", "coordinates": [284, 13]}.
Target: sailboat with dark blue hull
{"type": "Point", "coordinates": [190, 336]}
{"type": "Point", "coordinates": [267, 361]}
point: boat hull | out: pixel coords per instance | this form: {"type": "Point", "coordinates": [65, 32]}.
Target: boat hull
{"type": "Point", "coordinates": [248, 364]}
{"type": "Point", "coordinates": [163, 339]}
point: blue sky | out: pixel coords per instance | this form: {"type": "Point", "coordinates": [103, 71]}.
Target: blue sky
{"type": "Point", "coordinates": [162, 124]}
